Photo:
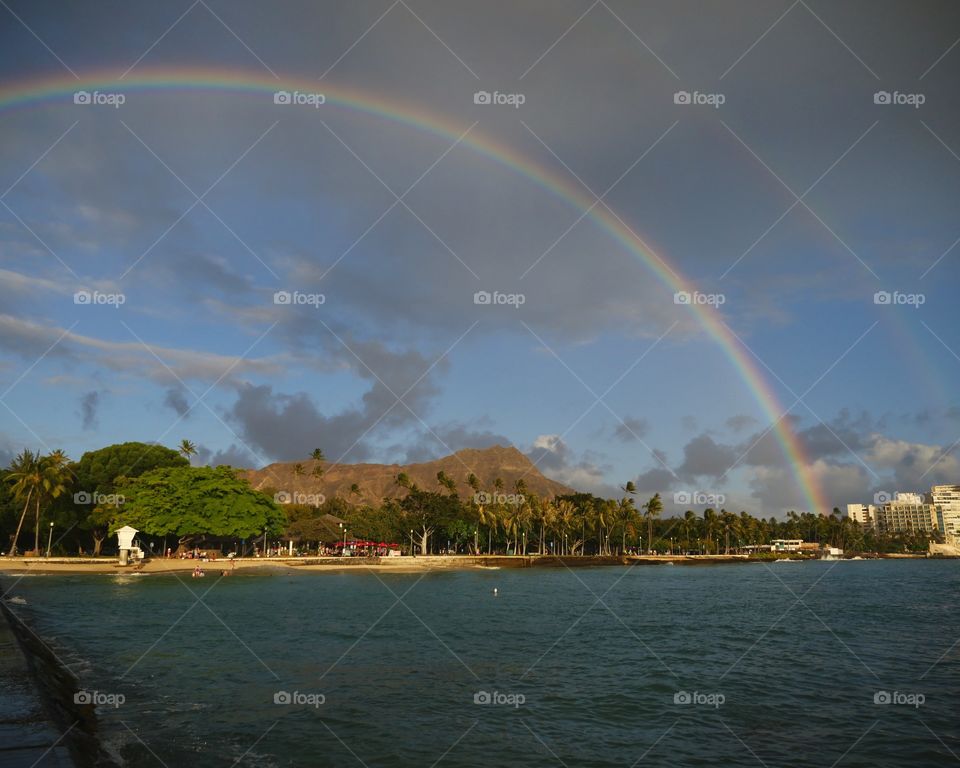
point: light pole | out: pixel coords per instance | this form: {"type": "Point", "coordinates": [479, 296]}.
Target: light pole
{"type": "Point", "coordinates": [49, 539]}
{"type": "Point", "coordinates": [412, 553]}
{"type": "Point", "coordinates": [264, 542]}
{"type": "Point", "coordinates": [476, 542]}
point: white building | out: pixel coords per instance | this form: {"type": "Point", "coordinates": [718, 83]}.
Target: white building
{"type": "Point", "coordinates": [908, 498]}
{"type": "Point", "coordinates": [907, 515]}
{"type": "Point", "coordinates": [865, 514]}
{"type": "Point", "coordinates": [946, 498]}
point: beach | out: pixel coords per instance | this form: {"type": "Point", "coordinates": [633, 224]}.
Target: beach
{"type": "Point", "coordinates": [74, 565]}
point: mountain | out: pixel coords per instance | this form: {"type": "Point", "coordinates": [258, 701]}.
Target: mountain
{"type": "Point", "coordinates": [378, 481]}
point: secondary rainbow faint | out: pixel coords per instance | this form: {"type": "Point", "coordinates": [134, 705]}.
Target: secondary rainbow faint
{"type": "Point", "coordinates": [28, 93]}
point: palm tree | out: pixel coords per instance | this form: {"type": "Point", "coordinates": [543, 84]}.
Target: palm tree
{"type": "Point", "coordinates": [625, 515]}
{"type": "Point", "coordinates": [187, 449]}
{"type": "Point", "coordinates": [25, 476]}
{"type": "Point", "coordinates": [652, 509]}
{"type": "Point", "coordinates": [626, 511]}
{"type": "Point", "coordinates": [565, 512]}
{"type": "Point", "coordinates": [354, 490]}
{"type": "Point", "coordinates": [709, 525]}
{"type": "Point", "coordinates": [37, 478]}
{"type": "Point", "coordinates": [446, 482]}
{"type": "Point", "coordinates": [689, 523]}
{"type": "Point", "coordinates": [317, 455]}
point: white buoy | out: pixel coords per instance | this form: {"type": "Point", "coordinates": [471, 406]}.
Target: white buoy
{"type": "Point", "coordinates": [495, 591]}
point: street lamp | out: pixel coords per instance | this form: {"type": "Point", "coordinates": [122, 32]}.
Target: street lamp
{"type": "Point", "coordinates": [412, 553]}
{"type": "Point", "coordinates": [49, 539]}
{"type": "Point", "coordinates": [476, 542]}
{"type": "Point", "coordinates": [264, 542]}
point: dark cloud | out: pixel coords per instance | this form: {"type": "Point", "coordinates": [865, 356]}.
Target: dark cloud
{"type": "Point", "coordinates": [443, 439]}
{"type": "Point", "coordinates": [704, 457]}
{"type": "Point", "coordinates": [89, 404]}
{"type": "Point", "coordinates": [630, 429]}
{"type": "Point", "coordinates": [176, 398]}
{"type": "Point", "coordinates": [740, 422]}
{"type": "Point", "coordinates": [234, 456]}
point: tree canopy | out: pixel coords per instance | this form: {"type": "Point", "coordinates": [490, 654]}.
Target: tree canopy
{"type": "Point", "coordinates": [189, 501]}
{"type": "Point", "coordinates": [97, 471]}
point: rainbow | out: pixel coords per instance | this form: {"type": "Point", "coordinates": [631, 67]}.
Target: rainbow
{"type": "Point", "coordinates": [60, 90]}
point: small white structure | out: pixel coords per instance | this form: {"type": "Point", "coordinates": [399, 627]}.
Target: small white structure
{"type": "Point", "coordinates": [125, 540]}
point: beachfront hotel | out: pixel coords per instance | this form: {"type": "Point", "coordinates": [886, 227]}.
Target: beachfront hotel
{"type": "Point", "coordinates": [946, 498]}
{"type": "Point", "coordinates": [937, 511]}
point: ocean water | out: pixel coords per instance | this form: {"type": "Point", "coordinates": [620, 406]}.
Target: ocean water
{"type": "Point", "coordinates": [736, 665]}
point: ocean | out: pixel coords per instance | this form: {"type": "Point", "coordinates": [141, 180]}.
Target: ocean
{"type": "Point", "coordinates": [850, 663]}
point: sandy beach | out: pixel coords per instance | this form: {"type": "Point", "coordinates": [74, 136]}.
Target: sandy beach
{"type": "Point", "coordinates": [336, 564]}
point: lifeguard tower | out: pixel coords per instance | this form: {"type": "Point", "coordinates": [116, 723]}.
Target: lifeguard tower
{"type": "Point", "coordinates": [127, 550]}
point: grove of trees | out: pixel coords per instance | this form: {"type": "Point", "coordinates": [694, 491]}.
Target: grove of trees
{"type": "Point", "coordinates": [155, 489]}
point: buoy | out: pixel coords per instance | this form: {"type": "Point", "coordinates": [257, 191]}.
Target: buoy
{"type": "Point", "coordinates": [495, 591]}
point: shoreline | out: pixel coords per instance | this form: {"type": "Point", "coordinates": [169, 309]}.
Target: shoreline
{"type": "Point", "coordinates": [75, 565]}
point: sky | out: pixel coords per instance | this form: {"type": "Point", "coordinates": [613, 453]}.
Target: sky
{"type": "Point", "coordinates": [393, 230]}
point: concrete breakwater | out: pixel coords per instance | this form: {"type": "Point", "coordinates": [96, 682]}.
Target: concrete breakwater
{"type": "Point", "coordinates": [41, 725]}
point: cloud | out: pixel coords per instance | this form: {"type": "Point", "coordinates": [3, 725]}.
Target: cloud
{"type": "Point", "coordinates": [630, 429]}
{"type": "Point", "coordinates": [555, 459]}
{"type": "Point", "coordinates": [29, 340]}
{"type": "Point", "coordinates": [704, 457]}
{"type": "Point", "coordinates": [427, 445]}
{"type": "Point", "coordinates": [176, 398]}
{"type": "Point", "coordinates": [234, 456]}
{"type": "Point", "coordinates": [740, 422]}
{"type": "Point", "coordinates": [89, 404]}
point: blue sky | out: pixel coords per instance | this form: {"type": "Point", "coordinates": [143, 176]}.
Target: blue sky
{"type": "Point", "coordinates": [99, 199]}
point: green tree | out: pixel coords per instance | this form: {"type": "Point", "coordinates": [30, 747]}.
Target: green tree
{"type": "Point", "coordinates": [40, 480]}
{"type": "Point", "coordinates": [652, 510]}
{"type": "Point", "coordinates": [97, 474]}
{"type": "Point", "coordinates": [26, 478]}
{"type": "Point", "coordinates": [188, 502]}
{"type": "Point", "coordinates": [187, 449]}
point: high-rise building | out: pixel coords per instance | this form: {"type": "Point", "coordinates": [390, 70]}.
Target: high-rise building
{"type": "Point", "coordinates": [861, 513]}
{"type": "Point", "coordinates": [907, 515]}
{"type": "Point", "coordinates": [908, 497]}
{"type": "Point", "coordinates": [946, 498]}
